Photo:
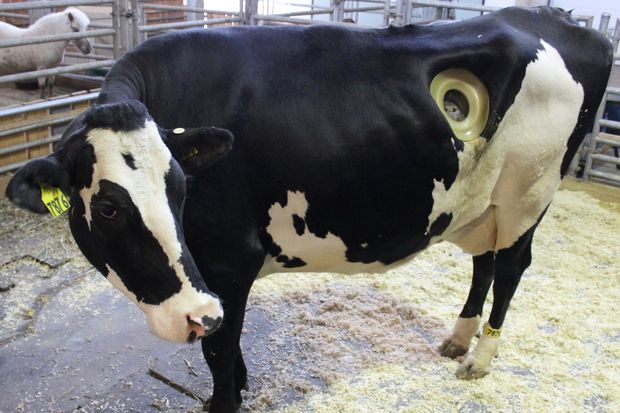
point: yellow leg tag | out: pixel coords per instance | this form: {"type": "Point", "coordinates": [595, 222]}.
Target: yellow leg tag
{"type": "Point", "coordinates": [489, 331]}
{"type": "Point", "coordinates": [55, 201]}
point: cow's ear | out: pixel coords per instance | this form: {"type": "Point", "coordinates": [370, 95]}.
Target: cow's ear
{"type": "Point", "coordinates": [24, 189]}
{"type": "Point", "coordinates": [198, 148]}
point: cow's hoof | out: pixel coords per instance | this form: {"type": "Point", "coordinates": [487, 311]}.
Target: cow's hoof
{"type": "Point", "coordinates": [452, 350]}
{"type": "Point", "coordinates": [471, 368]}
{"type": "Point", "coordinates": [211, 407]}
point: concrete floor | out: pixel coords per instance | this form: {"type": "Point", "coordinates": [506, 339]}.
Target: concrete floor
{"type": "Point", "coordinates": [70, 342]}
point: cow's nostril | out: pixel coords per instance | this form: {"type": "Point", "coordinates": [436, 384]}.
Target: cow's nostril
{"type": "Point", "coordinates": [211, 323]}
{"type": "Point", "coordinates": [194, 321]}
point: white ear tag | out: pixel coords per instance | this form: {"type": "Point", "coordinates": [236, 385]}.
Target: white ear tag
{"type": "Point", "coordinates": [178, 131]}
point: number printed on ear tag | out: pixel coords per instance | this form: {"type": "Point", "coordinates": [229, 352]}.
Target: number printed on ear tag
{"type": "Point", "coordinates": [55, 201]}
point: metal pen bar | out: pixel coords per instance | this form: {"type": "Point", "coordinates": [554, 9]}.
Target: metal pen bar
{"type": "Point", "coordinates": [14, 166]}
{"type": "Point", "coordinates": [50, 4]}
{"type": "Point", "coordinates": [606, 158]}
{"type": "Point", "coordinates": [102, 46]}
{"type": "Point", "coordinates": [55, 71]}
{"type": "Point", "coordinates": [603, 25]}
{"type": "Point", "coordinates": [363, 9]}
{"type": "Point", "coordinates": [386, 12]}
{"type": "Point", "coordinates": [313, 6]}
{"type": "Point", "coordinates": [185, 9]}
{"type": "Point", "coordinates": [613, 90]}
{"type": "Point", "coordinates": [55, 38]}
{"type": "Point", "coordinates": [588, 20]}
{"type": "Point", "coordinates": [14, 15]}
{"type": "Point", "coordinates": [48, 104]}
{"type": "Point", "coordinates": [136, 13]}
{"type": "Point", "coordinates": [605, 175]}
{"type": "Point", "coordinates": [372, 1]}
{"type": "Point", "coordinates": [178, 25]}
{"type": "Point", "coordinates": [458, 6]}
{"type": "Point", "coordinates": [36, 125]}
{"type": "Point", "coordinates": [28, 145]}
{"type": "Point", "coordinates": [610, 123]}
{"type": "Point", "coordinates": [272, 18]}
{"type": "Point", "coordinates": [116, 40]}
{"type": "Point", "coordinates": [123, 28]}
{"type": "Point", "coordinates": [303, 13]}
{"type": "Point", "coordinates": [87, 56]}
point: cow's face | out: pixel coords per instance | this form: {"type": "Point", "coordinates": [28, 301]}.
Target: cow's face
{"type": "Point", "coordinates": [127, 193]}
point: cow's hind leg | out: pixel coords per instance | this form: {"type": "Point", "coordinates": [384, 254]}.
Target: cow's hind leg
{"type": "Point", "coordinates": [468, 322]}
{"type": "Point", "coordinates": [510, 263]}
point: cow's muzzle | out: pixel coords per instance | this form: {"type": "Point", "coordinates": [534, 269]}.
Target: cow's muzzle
{"type": "Point", "coordinates": [202, 327]}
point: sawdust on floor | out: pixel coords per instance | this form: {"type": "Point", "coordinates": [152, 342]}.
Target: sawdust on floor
{"type": "Point", "coordinates": [561, 339]}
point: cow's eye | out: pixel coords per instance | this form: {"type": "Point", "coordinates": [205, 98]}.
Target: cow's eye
{"type": "Point", "coordinates": [107, 211]}
{"type": "Point", "coordinates": [75, 29]}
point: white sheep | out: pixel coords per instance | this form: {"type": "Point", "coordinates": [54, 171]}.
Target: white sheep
{"type": "Point", "coordinates": [44, 55]}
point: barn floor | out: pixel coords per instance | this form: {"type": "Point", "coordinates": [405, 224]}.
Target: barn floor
{"type": "Point", "coordinates": [323, 343]}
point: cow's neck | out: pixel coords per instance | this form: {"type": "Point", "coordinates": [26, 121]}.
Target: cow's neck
{"type": "Point", "coordinates": [124, 82]}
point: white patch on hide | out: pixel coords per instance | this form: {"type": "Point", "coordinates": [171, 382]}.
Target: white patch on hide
{"type": "Point", "coordinates": [502, 187]}
{"type": "Point", "coordinates": [320, 254]}
{"type": "Point", "coordinates": [168, 319]}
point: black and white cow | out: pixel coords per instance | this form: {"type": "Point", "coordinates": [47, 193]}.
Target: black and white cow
{"type": "Point", "coordinates": [342, 161]}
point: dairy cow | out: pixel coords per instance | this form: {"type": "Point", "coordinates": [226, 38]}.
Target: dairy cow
{"type": "Point", "coordinates": [322, 149]}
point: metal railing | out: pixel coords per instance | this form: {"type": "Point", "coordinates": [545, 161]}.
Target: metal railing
{"type": "Point", "coordinates": [50, 121]}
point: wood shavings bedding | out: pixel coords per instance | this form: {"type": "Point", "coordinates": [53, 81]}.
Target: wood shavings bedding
{"type": "Point", "coordinates": [561, 339]}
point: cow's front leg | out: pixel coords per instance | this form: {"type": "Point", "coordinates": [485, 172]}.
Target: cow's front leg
{"type": "Point", "coordinates": [241, 377]}
{"type": "Point", "coordinates": [510, 263]}
{"type": "Point", "coordinates": [223, 354]}
{"type": "Point", "coordinates": [468, 323]}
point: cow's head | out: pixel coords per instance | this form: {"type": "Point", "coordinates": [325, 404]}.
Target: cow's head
{"type": "Point", "coordinates": [127, 184]}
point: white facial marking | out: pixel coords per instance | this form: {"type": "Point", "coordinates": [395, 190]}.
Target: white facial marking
{"type": "Point", "coordinates": [168, 318]}
{"type": "Point", "coordinates": [146, 184]}
{"type": "Point", "coordinates": [504, 185]}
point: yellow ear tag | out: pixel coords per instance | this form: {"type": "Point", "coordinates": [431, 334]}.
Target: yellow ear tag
{"type": "Point", "coordinates": [55, 201]}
